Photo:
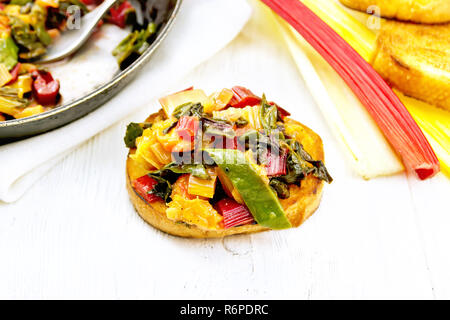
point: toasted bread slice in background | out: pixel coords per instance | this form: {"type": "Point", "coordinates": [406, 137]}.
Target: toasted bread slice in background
{"type": "Point", "coordinates": [301, 204]}
{"type": "Point", "coordinates": [419, 11]}
{"type": "Point", "coordinates": [416, 60]}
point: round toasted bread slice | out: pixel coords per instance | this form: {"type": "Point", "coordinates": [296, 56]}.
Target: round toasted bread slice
{"type": "Point", "coordinates": [301, 204]}
{"type": "Point", "coordinates": [419, 11]}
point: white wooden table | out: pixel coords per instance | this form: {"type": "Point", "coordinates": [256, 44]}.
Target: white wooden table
{"type": "Point", "coordinates": [76, 235]}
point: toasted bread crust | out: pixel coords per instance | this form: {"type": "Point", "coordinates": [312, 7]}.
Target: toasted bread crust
{"type": "Point", "coordinates": [299, 206]}
{"type": "Point", "coordinates": [419, 11]}
{"type": "Point", "coordinates": [416, 60]}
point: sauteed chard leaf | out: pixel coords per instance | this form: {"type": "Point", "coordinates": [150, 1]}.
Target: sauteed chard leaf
{"type": "Point", "coordinates": [320, 171]}
{"type": "Point", "coordinates": [134, 43]}
{"type": "Point", "coordinates": [39, 15]}
{"type": "Point", "coordinates": [300, 164]}
{"type": "Point", "coordinates": [10, 96]}
{"type": "Point", "coordinates": [198, 170]}
{"type": "Point", "coordinates": [188, 110]}
{"type": "Point", "coordinates": [170, 173]}
{"type": "Point", "coordinates": [269, 115]}
{"type": "Point", "coordinates": [20, 2]}
{"type": "Point", "coordinates": [162, 189]}
{"type": "Point", "coordinates": [241, 122]}
{"type": "Point", "coordinates": [280, 187]}
{"type": "Point", "coordinates": [173, 125]}
{"type": "Point", "coordinates": [25, 37]}
{"type": "Point", "coordinates": [134, 131]}
{"type": "Point", "coordinates": [215, 127]}
{"type": "Point", "coordinates": [8, 52]}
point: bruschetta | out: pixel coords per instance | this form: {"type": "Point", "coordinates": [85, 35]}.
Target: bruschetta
{"type": "Point", "coordinates": [224, 164]}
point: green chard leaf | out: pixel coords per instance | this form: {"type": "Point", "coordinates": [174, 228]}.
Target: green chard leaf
{"type": "Point", "coordinates": [20, 2]}
{"type": "Point", "coordinates": [300, 164]}
{"type": "Point", "coordinates": [280, 187]}
{"type": "Point", "coordinates": [12, 94]}
{"type": "Point", "coordinates": [173, 125]}
{"type": "Point", "coordinates": [125, 47]}
{"type": "Point", "coordinates": [162, 189]}
{"type": "Point", "coordinates": [188, 110]}
{"type": "Point", "coordinates": [134, 43]}
{"type": "Point", "coordinates": [170, 173]}
{"type": "Point", "coordinates": [320, 171]}
{"type": "Point", "coordinates": [141, 42]}
{"type": "Point", "coordinates": [241, 122]}
{"type": "Point", "coordinates": [25, 37]}
{"type": "Point", "coordinates": [134, 131]}
{"type": "Point", "coordinates": [39, 15]}
{"type": "Point", "coordinates": [42, 34]}
{"type": "Point", "coordinates": [78, 3]}
{"type": "Point", "coordinates": [269, 114]}
{"type": "Point", "coordinates": [197, 170]}
{"type": "Point", "coordinates": [216, 127]}
{"type": "Point", "coordinates": [8, 52]}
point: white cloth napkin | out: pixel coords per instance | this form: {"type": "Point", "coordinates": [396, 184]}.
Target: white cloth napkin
{"type": "Point", "coordinates": [201, 29]}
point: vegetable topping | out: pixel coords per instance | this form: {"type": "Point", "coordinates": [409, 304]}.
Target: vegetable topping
{"type": "Point", "coordinates": [229, 166]}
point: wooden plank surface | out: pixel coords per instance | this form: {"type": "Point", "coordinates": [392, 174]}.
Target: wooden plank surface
{"type": "Point", "coordinates": [75, 234]}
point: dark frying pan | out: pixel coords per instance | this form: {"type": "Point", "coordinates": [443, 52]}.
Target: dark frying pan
{"type": "Point", "coordinates": [59, 116]}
